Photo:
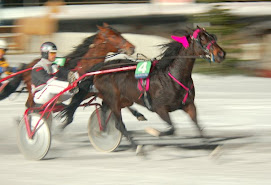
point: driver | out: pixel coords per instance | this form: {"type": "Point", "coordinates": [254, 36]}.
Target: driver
{"type": "Point", "coordinates": [5, 69]}
{"type": "Point", "coordinates": [4, 65]}
{"type": "Point", "coordinates": [49, 79]}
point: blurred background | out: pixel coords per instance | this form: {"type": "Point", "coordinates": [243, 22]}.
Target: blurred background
{"type": "Point", "coordinates": [243, 27]}
{"type": "Point", "coordinates": [234, 110]}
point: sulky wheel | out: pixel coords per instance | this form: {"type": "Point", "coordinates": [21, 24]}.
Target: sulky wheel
{"type": "Point", "coordinates": [108, 139]}
{"type": "Point", "coordinates": [37, 147]}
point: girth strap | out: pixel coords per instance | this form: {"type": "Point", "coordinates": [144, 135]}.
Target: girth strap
{"type": "Point", "coordinates": [183, 86]}
{"type": "Point", "coordinates": [143, 86]}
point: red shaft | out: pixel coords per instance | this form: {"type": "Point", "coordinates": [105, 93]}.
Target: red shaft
{"type": "Point", "coordinates": [14, 74]}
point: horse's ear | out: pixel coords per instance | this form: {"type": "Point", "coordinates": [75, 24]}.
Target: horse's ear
{"type": "Point", "coordinates": [198, 27]}
{"type": "Point", "coordinates": [105, 25]}
{"type": "Point", "coordinates": [189, 30]}
{"type": "Point", "coordinates": [100, 27]}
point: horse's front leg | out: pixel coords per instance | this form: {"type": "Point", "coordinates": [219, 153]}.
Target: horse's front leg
{"type": "Point", "coordinates": [121, 127]}
{"type": "Point", "coordinates": [138, 115]}
{"type": "Point", "coordinates": [191, 110]}
{"type": "Point", "coordinates": [163, 113]}
{"type": "Point", "coordinates": [69, 111]}
{"type": "Point", "coordinates": [104, 109]}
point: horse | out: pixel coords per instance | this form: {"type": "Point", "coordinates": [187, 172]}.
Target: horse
{"type": "Point", "coordinates": [91, 51]}
{"type": "Point", "coordinates": [171, 86]}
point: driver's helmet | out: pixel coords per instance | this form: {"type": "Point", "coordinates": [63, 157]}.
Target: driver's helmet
{"type": "Point", "coordinates": [3, 45]}
{"type": "Point", "coordinates": [46, 48]}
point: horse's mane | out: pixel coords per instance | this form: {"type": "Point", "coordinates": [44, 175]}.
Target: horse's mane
{"type": "Point", "coordinates": [171, 51]}
{"type": "Point", "coordinates": [79, 52]}
{"type": "Point", "coordinates": [113, 29]}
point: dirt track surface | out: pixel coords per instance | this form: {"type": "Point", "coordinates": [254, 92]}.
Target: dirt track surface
{"type": "Point", "coordinates": [235, 112]}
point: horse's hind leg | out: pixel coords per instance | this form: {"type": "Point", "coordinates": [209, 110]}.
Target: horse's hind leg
{"type": "Point", "coordinates": [30, 102]}
{"type": "Point", "coordinates": [191, 110]}
{"type": "Point", "coordinates": [165, 116]}
{"type": "Point", "coordinates": [104, 109]}
{"type": "Point", "coordinates": [121, 127]}
{"type": "Point", "coordinates": [138, 115]}
{"type": "Point", "coordinates": [69, 111]}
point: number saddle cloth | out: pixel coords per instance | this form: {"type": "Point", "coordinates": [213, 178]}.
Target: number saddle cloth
{"type": "Point", "coordinates": [144, 67]}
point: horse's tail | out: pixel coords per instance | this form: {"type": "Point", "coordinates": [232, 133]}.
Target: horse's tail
{"type": "Point", "coordinates": [12, 85]}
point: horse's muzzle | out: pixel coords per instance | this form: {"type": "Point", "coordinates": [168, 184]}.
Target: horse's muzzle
{"type": "Point", "coordinates": [131, 51]}
{"type": "Point", "coordinates": [128, 51]}
{"type": "Point", "coordinates": [220, 56]}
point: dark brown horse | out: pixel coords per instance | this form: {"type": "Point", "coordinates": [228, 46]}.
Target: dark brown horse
{"type": "Point", "coordinates": [171, 86]}
{"type": "Point", "coordinates": [92, 51]}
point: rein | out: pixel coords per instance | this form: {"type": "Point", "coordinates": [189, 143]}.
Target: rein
{"type": "Point", "coordinates": [28, 69]}
{"type": "Point", "coordinates": [119, 65]}
{"type": "Point", "coordinates": [99, 57]}
{"type": "Point", "coordinates": [14, 74]}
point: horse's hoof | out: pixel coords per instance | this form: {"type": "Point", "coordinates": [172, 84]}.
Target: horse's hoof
{"type": "Point", "coordinates": [202, 134]}
{"type": "Point", "coordinates": [17, 120]}
{"type": "Point", "coordinates": [153, 131]}
{"type": "Point", "coordinates": [139, 149]}
{"type": "Point", "coordinates": [141, 118]}
{"type": "Point", "coordinates": [217, 152]}
{"type": "Point", "coordinates": [61, 126]}
{"type": "Point", "coordinates": [58, 130]}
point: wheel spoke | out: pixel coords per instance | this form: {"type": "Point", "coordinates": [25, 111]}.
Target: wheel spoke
{"type": "Point", "coordinates": [38, 146]}
{"type": "Point", "coordinates": [109, 138]}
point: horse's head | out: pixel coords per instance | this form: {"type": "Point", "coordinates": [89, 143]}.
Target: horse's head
{"type": "Point", "coordinates": [114, 41]}
{"type": "Point", "coordinates": [206, 45]}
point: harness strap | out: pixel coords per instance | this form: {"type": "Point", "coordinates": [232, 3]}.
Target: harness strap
{"type": "Point", "coordinates": [183, 86]}
{"type": "Point", "coordinates": [210, 44]}
{"type": "Point", "coordinates": [143, 84]}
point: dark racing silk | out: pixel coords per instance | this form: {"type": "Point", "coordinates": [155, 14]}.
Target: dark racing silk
{"type": "Point", "coordinates": [43, 72]}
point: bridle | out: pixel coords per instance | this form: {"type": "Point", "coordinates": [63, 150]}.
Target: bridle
{"type": "Point", "coordinates": [117, 46]}
{"type": "Point", "coordinates": [207, 47]}
{"type": "Point", "coordinates": [106, 41]}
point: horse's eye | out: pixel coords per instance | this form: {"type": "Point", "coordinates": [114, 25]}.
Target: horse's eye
{"type": "Point", "coordinates": [202, 38]}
